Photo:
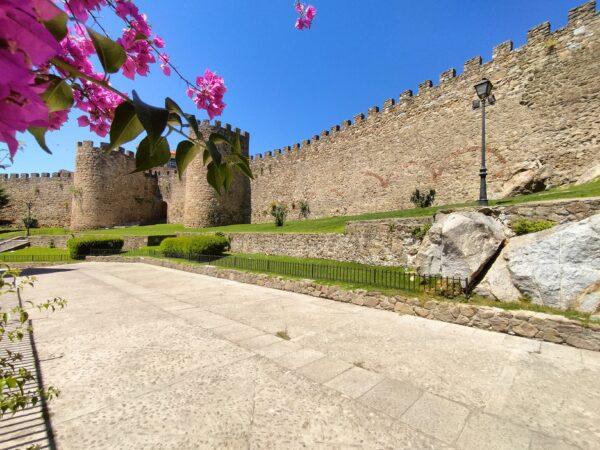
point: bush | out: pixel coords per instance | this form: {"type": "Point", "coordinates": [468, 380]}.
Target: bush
{"type": "Point", "coordinates": [526, 226]}
{"type": "Point", "coordinates": [279, 212]}
{"type": "Point", "coordinates": [80, 247]}
{"type": "Point", "coordinates": [194, 246]}
{"type": "Point", "coordinates": [420, 231]}
{"type": "Point", "coordinates": [304, 209]}
{"type": "Point", "coordinates": [30, 222]}
{"type": "Point", "coordinates": [421, 199]}
{"type": "Point", "coordinates": [154, 241]}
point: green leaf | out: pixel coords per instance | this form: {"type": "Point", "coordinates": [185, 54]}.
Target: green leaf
{"type": "Point", "coordinates": [227, 176]}
{"type": "Point", "coordinates": [244, 167]}
{"type": "Point", "coordinates": [217, 139]}
{"type": "Point", "coordinates": [236, 145]}
{"type": "Point", "coordinates": [39, 133]}
{"type": "Point", "coordinates": [215, 154]}
{"type": "Point", "coordinates": [213, 176]}
{"type": "Point", "coordinates": [57, 26]}
{"type": "Point", "coordinates": [173, 107]}
{"type": "Point", "coordinates": [125, 126]}
{"type": "Point", "coordinates": [174, 120]}
{"type": "Point", "coordinates": [152, 153]}
{"type": "Point", "coordinates": [110, 53]}
{"type": "Point", "coordinates": [194, 125]}
{"type": "Point", "coordinates": [153, 119]}
{"type": "Point", "coordinates": [185, 153]}
{"type": "Point", "coordinates": [58, 95]}
{"type": "Point", "coordinates": [205, 156]}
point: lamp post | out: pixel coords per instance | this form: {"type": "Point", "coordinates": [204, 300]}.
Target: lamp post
{"type": "Point", "coordinates": [29, 205]}
{"type": "Point", "coordinates": [484, 92]}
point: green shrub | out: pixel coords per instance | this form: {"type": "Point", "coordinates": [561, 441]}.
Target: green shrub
{"type": "Point", "coordinates": [154, 241]}
{"type": "Point", "coordinates": [420, 231]}
{"type": "Point", "coordinates": [422, 199]}
{"type": "Point", "coordinates": [279, 212]}
{"type": "Point", "coordinates": [194, 246]}
{"type": "Point", "coordinates": [526, 226]}
{"type": "Point", "coordinates": [80, 247]}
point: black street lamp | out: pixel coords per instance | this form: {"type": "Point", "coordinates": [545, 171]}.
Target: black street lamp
{"type": "Point", "coordinates": [484, 92]}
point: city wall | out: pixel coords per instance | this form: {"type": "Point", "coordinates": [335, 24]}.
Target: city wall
{"type": "Point", "coordinates": [543, 131]}
{"type": "Point", "coordinates": [50, 196]}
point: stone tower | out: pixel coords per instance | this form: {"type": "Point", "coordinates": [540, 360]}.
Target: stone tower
{"type": "Point", "coordinates": [106, 193]}
{"type": "Point", "coordinates": [206, 208]}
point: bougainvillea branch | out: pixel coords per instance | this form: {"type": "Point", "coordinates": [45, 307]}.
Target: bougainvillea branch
{"type": "Point", "coordinates": [52, 61]}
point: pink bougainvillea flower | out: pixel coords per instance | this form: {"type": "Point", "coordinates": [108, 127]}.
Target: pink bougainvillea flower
{"type": "Point", "coordinates": [208, 93]}
{"type": "Point", "coordinates": [83, 121]}
{"type": "Point", "coordinates": [164, 64]}
{"type": "Point", "coordinates": [56, 119]}
{"type": "Point", "coordinates": [80, 8]}
{"type": "Point", "coordinates": [159, 42]}
{"type": "Point", "coordinates": [307, 15]}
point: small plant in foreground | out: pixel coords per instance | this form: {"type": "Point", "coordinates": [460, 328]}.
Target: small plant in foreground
{"type": "Point", "coordinates": [16, 392]}
{"type": "Point", "coordinates": [279, 212]}
{"type": "Point", "coordinates": [421, 231]}
{"type": "Point", "coordinates": [526, 226]}
{"type": "Point", "coordinates": [283, 334]}
{"type": "Point", "coordinates": [422, 199]}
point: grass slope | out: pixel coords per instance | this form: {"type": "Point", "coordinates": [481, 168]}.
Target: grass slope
{"type": "Point", "coordinates": [327, 224]}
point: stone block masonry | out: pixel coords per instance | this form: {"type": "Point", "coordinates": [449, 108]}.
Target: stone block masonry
{"type": "Point", "coordinates": [49, 194]}
{"type": "Point", "coordinates": [543, 131]}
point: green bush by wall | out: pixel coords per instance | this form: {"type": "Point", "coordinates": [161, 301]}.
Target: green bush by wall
{"type": "Point", "coordinates": [526, 226]}
{"type": "Point", "coordinates": [80, 247]}
{"type": "Point", "coordinates": [194, 246]}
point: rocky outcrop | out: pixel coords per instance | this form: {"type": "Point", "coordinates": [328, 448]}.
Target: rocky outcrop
{"type": "Point", "coordinates": [460, 244]}
{"type": "Point", "coordinates": [529, 178]}
{"type": "Point", "coordinates": [559, 267]}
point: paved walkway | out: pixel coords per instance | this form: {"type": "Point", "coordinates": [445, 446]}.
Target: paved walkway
{"type": "Point", "coordinates": [153, 358]}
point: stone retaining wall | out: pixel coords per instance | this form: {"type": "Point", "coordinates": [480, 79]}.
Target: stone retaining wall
{"type": "Point", "coordinates": [540, 326]}
{"type": "Point", "coordinates": [386, 243]}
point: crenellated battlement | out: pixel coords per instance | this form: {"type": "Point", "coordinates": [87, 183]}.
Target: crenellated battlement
{"type": "Point", "coordinates": [36, 176]}
{"type": "Point", "coordinates": [539, 39]}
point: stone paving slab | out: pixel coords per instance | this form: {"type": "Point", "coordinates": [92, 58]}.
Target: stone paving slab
{"type": "Point", "coordinates": [139, 370]}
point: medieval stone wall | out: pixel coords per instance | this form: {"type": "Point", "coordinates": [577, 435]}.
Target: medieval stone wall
{"type": "Point", "coordinates": [49, 194]}
{"type": "Point", "coordinates": [106, 193]}
{"type": "Point", "coordinates": [544, 130]}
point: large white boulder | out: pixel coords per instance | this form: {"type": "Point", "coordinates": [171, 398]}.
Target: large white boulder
{"type": "Point", "coordinates": [559, 267]}
{"type": "Point", "coordinates": [460, 244]}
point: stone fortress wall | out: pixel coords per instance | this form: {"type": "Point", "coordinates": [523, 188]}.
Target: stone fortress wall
{"type": "Point", "coordinates": [50, 196]}
{"type": "Point", "coordinates": [104, 192]}
{"type": "Point", "coordinates": [544, 130]}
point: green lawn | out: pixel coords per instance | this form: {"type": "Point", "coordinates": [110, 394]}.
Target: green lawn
{"type": "Point", "coordinates": [328, 224]}
{"type": "Point", "coordinates": [38, 251]}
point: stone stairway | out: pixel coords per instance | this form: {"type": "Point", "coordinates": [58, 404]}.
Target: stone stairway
{"type": "Point", "coordinates": [13, 244]}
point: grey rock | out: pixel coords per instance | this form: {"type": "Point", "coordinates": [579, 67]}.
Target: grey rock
{"type": "Point", "coordinates": [459, 244]}
{"type": "Point", "coordinates": [559, 267]}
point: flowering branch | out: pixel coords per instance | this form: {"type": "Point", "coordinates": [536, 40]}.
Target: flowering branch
{"type": "Point", "coordinates": [47, 70]}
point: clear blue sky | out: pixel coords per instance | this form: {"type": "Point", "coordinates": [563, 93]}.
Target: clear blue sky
{"type": "Point", "coordinates": [285, 85]}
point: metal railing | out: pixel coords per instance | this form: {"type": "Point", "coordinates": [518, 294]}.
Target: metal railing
{"type": "Point", "coordinates": [7, 257]}
{"type": "Point", "coordinates": [383, 277]}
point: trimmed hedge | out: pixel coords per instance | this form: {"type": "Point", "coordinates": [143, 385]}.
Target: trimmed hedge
{"type": "Point", "coordinates": [194, 246]}
{"type": "Point", "coordinates": [80, 247]}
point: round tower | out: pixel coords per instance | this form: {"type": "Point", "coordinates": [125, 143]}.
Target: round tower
{"type": "Point", "coordinates": [106, 193]}
{"type": "Point", "coordinates": [204, 207]}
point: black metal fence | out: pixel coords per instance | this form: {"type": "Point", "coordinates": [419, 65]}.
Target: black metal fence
{"type": "Point", "coordinates": [7, 257]}
{"type": "Point", "coordinates": [382, 277]}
